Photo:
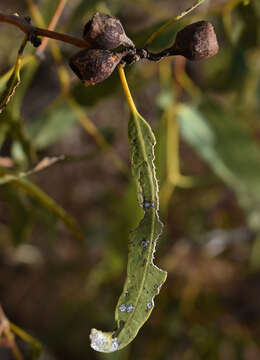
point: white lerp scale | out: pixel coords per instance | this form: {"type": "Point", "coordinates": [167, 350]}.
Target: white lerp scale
{"type": "Point", "coordinates": [103, 342]}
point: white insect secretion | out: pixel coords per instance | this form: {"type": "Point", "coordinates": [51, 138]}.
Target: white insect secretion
{"type": "Point", "coordinates": [145, 243]}
{"type": "Point", "coordinates": [130, 308]}
{"type": "Point", "coordinates": [103, 342]}
{"type": "Point", "coordinates": [123, 308]}
{"type": "Point", "coordinates": [126, 308]}
{"type": "Point", "coordinates": [149, 305]}
{"type": "Point", "coordinates": [147, 204]}
{"type": "Point", "coordinates": [114, 345]}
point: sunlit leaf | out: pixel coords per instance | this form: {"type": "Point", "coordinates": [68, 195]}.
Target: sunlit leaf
{"type": "Point", "coordinates": [14, 79]}
{"type": "Point", "coordinates": [28, 74]}
{"type": "Point", "coordinates": [11, 86]}
{"type": "Point", "coordinates": [173, 20]}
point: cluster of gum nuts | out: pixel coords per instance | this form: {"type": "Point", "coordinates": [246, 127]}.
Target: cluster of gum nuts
{"type": "Point", "coordinates": [103, 33]}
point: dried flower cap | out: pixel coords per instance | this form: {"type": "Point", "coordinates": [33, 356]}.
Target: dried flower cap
{"type": "Point", "coordinates": [93, 66]}
{"type": "Point", "coordinates": [197, 41]}
{"type": "Point", "coordinates": [105, 32]}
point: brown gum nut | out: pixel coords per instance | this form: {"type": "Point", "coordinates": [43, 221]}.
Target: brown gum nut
{"type": "Point", "coordinates": [93, 66]}
{"type": "Point", "coordinates": [197, 41]}
{"type": "Point", "coordinates": [105, 32]}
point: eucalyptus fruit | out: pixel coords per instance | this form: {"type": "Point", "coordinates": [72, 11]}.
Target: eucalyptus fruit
{"type": "Point", "coordinates": [196, 41]}
{"type": "Point", "coordinates": [105, 32]}
{"type": "Point", "coordinates": [93, 66]}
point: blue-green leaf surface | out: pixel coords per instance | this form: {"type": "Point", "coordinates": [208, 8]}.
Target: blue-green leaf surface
{"type": "Point", "coordinates": [144, 279]}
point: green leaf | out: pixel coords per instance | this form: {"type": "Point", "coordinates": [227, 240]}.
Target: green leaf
{"type": "Point", "coordinates": [36, 346]}
{"type": "Point", "coordinates": [3, 131]}
{"type": "Point", "coordinates": [19, 181]}
{"type": "Point", "coordinates": [28, 74]}
{"type": "Point", "coordinates": [197, 131]}
{"type": "Point", "coordinates": [14, 79]}
{"type": "Point", "coordinates": [52, 125]}
{"type": "Point", "coordinates": [46, 201]}
{"type": "Point", "coordinates": [144, 279]}
{"type": "Point", "coordinates": [11, 86]}
{"type": "Point", "coordinates": [227, 147]}
{"type": "Point", "coordinates": [164, 39]}
{"type": "Point", "coordinates": [256, 7]}
{"type": "Point", "coordinates": [173, 20]}
{"type": "Point", "coordinates": [20, 220]}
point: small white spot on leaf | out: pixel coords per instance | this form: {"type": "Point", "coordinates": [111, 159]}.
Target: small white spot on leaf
{"type": "Point", "coordinates": [145, 242]}
{"type": "Point", "coordinates": [123, 308]}
{"type": "Point", "coordinates": [149, 306]}
{"type": "Point", "coordinates": [130, 308]}
{"type": "Point", "coordinates": [147, 204]}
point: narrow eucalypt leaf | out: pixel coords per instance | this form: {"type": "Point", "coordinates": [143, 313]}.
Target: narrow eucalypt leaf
{"type": "Point", "coordinates": [14, 79]}
{"type": "Point", "coordinates": [144, 279]}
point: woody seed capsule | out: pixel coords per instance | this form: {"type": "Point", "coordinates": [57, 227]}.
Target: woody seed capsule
{"type": "Point", "coordinates": [105, 32]}
{"type": "Point", "coordinates": [196, 41]}
{"type": "Point", "coordinates": [93, 66]}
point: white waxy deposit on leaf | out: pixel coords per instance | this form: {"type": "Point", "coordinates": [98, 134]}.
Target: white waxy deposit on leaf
{"type": "Point", "coordinates": [130, 308]}
{"type": "Point", "coordinates": [145, 243]}
{"type": "Point", "coordinates": [102, 342]}
{"type": "Point", "coordinates": [149, 305]}
{"type": "Point", "coordinates": [147, 204]}
{"type": "Point", "coordinates": [123, 308]}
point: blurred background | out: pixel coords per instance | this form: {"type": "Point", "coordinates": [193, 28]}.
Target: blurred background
{"type": "Point", "coordinates": [64, 230]}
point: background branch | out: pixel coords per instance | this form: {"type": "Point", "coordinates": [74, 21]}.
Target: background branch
{"type": "Point", "coordinates": [27, 28]}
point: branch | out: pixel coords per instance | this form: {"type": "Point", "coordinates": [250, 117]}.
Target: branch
{"type": "Point", "coordinates": [24, 25]}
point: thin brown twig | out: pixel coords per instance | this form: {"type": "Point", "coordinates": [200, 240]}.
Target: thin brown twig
{"type": "Point", "coordinates": [37, 17]}
{"type": "Point", "coordinates": [52, 25]}
{"type": "Point", "coordinates": [27, 28]}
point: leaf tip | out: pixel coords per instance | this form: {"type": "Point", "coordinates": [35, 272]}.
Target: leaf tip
{"type": "Point", "coordinates": [103, 342]}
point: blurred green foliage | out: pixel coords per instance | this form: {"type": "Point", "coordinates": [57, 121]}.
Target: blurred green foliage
{"type": "Point", "coordinates": [207, 123]}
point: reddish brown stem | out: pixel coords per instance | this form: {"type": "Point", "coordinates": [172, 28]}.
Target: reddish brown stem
{"type": "Point", "coordinates": [52, 24]}
{"type": "Point", "coordinates": [17, 21]}
{"type": "Point", "coordinates": [62, 37]}
{"type": "Point", "coordinates": [27, 28]}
